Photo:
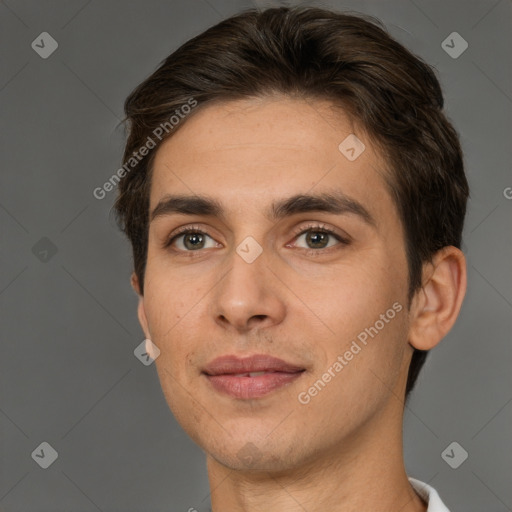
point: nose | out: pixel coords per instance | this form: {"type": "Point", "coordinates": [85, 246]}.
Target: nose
{"type": "Point", "coordinates": [249, 296]}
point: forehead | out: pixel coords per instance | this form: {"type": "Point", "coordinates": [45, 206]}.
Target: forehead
{"type": "Point", "coordinates": [249, 151]}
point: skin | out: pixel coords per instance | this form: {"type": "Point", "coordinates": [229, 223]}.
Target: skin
{"type": "Point", "coordinates": [342, 451]}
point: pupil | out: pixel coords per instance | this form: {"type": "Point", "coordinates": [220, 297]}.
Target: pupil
{"type": "Point", "coordinates": [316, 238]}
{"type": "Point", "coordinates": [192, 238]}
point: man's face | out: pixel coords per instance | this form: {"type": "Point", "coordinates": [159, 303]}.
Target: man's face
{"type": "Point", "coordinates": [305, 299]}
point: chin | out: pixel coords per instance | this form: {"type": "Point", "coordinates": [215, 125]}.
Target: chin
{"type": "Point", "coordinates": [254, 456]}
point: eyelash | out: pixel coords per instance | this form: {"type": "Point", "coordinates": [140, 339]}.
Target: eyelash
{"type": "Point", "coordinates": [317, 228]}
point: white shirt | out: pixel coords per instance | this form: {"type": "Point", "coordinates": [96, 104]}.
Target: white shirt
{"type": "Point", "coordinates": [429, 494]}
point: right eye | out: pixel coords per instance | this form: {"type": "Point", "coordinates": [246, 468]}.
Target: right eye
{"type": "Point", "coordinates": [189, 240]}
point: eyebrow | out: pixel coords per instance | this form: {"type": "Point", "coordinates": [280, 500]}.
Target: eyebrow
{"type": "Point", "coordinates": [336, 203]}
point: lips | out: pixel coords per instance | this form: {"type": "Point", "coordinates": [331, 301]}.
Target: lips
{"type": "Point", "coordinates": [250, 377]}
{"type": "Point", "coordinates": [233, 365]}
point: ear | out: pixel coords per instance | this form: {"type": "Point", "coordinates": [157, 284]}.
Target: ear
{"type": "Point", "coordinates": [141, 313]}
{"type": "Point", "coordinates": [437, 305]}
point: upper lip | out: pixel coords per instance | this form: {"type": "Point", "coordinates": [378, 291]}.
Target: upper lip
{"type": "Point", "coordinates": [232, 364]}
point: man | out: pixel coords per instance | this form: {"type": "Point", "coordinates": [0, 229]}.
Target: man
{"type": "Point", "coordinates": [295, 198]}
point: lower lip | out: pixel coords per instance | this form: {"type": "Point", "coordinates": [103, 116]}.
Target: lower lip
{"type": "Point", "coordinates": [251, 387]}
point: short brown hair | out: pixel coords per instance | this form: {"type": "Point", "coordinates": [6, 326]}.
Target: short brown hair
{"type": "Point", "coordinates": [314, 53]}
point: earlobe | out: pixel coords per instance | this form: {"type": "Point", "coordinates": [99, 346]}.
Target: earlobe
{"type": "Point", "coordinates": [141, 313]}
{"type": "Point", "coordinates": [437, 305]}
{"type": "Point", "coordinates": [134, 281]}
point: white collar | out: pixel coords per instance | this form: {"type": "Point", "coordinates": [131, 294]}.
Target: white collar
{"type": "Point", "coordinates": [429, 494]}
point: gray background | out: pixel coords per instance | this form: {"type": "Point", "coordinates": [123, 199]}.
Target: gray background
{"type": "Point", "coordinates": [68, 325]}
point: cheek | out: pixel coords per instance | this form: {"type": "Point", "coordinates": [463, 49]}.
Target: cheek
{"type": "Point", "coordinates": [167, 299]}
{"type": "Point", "coordinates": [175, 315]}
{"type": "Point", "coordinates": [365, 310]}
{"type": "Point", "coordinates": [372, 361]}
{"type": "Point", "coordinates": [355, 295]}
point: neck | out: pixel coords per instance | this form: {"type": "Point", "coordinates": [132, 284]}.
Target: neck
{"type": "Point", "coordinates": [364, 472]}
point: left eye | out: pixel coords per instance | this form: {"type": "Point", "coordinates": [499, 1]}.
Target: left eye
{"type": "Point", "coordinates": [318, 238]}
